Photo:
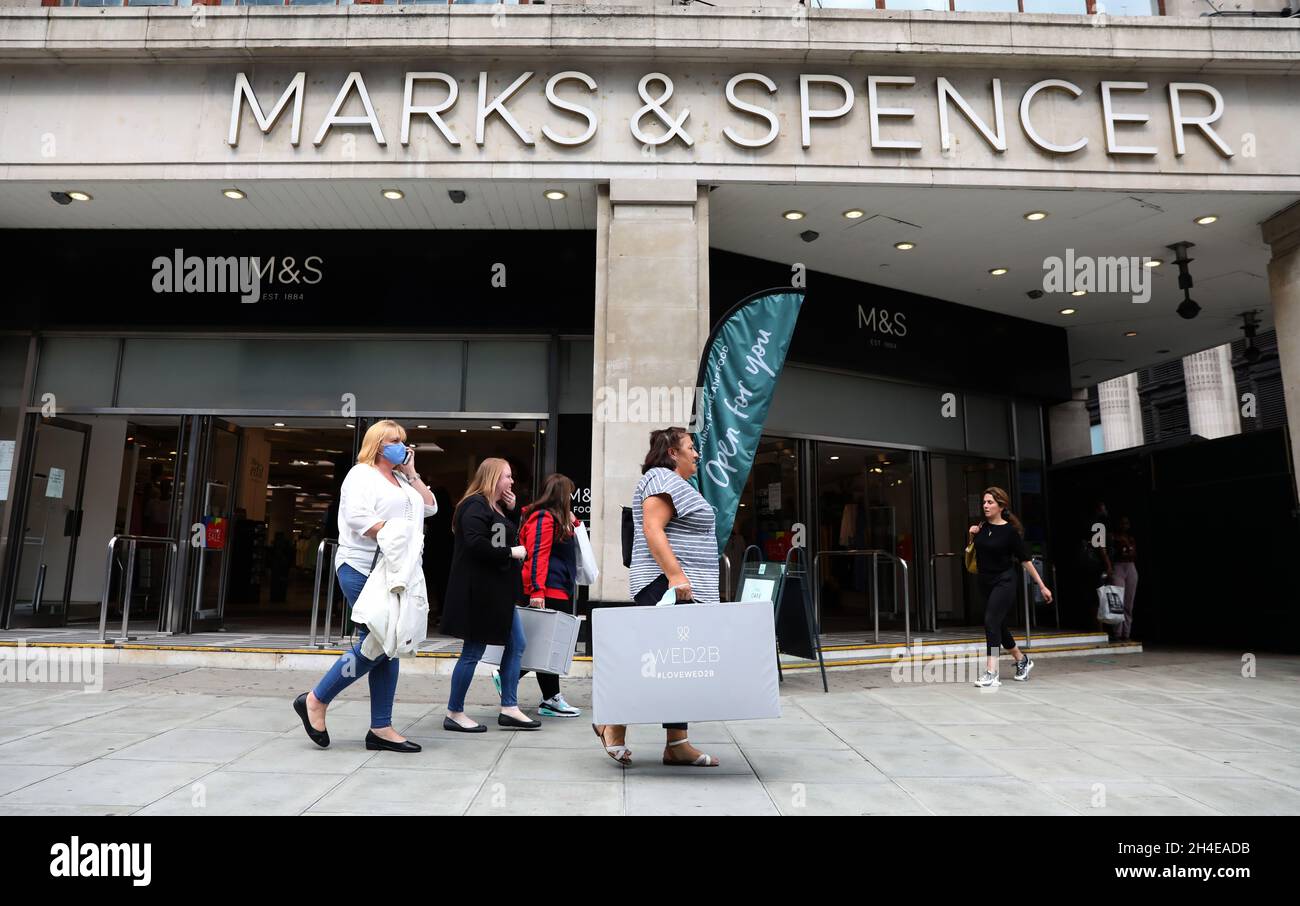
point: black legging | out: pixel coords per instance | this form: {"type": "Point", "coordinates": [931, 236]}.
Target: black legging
{"type": "Point", "coordinates": [1000, 594]}
{"type": "Point", "coordinates": [549, 683]}
{"type": "Point", "coordinates": [651, 595]}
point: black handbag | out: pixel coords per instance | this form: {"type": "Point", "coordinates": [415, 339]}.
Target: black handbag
{"type": "Point", "coordinates": [628, 530]}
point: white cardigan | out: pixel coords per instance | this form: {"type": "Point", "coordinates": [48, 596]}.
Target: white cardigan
{"type": "Point", "coordinates": [394, 604]}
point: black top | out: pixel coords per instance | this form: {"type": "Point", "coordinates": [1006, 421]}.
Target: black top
{"type": "Point", "coordinates": [485, 582]}
{"type": "Point", "coordinates": [998, 548]}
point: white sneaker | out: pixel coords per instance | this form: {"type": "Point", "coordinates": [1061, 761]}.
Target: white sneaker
{"type": "Point", "coordinates": [558, 707]}
{"type": "Point", "coordinates": [988, 679]}
{"type": "Point", "coordinates": [1022, 669]}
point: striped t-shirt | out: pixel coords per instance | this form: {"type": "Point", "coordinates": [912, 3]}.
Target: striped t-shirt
{"type": "Point", "coordinates": [691, 535]}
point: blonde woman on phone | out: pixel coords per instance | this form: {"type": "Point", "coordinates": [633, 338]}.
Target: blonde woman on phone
{"type": "Point", "coordinates": [382, 486]}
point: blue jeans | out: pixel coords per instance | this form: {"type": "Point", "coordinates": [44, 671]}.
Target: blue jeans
{"type": "Point", "coordinates": [352, 664]}
{"type": "Point", "coordinates": [470, 655]}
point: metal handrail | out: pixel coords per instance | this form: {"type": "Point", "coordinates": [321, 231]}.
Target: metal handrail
{"type": "Point", "coordinates": [934, 590]}
{"type": "Point", "coordinates": [875, 587]}
{"type": "Point", "coordinates": [1055, 604]}
{"type": "Point", "coordinates": [131, 542]}
{"type": "Point", "coordinates": [725, 561]}
{"type": "Point", "coordinates": [329, 600]}
{"type": "Point", "coordinates": [814, 621]}
{"type": "Point", "coordinates": [744, 563]}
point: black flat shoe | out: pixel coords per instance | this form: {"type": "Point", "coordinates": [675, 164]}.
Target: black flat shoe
{"type": "Point", "coordinates": [386, 745]}
{"type": "Point", "coordinates": [320, 737]}
{"type": "Point", "coordinates": [506, 722]}
{"type": "Point", "coordinates": [449, 724]}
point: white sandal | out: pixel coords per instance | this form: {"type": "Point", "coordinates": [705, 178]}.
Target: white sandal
{"type": "Point", "coordinates": [621, 754]}
{"type": "Point", "coordinates": [704, 761]}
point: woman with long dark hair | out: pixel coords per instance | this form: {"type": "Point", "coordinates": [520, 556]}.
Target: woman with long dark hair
{"type": "Point", "coordinates": [999, 545]}
{"type": "Point", "coordinates": [550, 571]}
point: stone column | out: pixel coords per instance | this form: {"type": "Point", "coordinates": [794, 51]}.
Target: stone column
{"type": "Point", "coordinates": [1282, 233]}
{"type": "Point", "coordinates": [652, 320]}
{"type": "Point", "coordinates": [1067, 424]}
{"type": "Point", "coordinates": [1212, 393]}
{"type": "Point", "coordinates": [1121, 413]}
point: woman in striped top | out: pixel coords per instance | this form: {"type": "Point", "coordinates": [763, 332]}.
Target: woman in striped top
{"type": "Point", "coordinates": [674, 546]}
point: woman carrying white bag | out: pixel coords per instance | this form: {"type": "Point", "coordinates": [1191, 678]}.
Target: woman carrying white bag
{"type": "Point", "coordinates": [383, 503]}
{"type": "Point", "coordinates": [674, 554]}
{"type": "Point", "coordinates": [554, 562]}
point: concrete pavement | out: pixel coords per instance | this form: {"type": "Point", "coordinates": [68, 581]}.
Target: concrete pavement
{"type": "Point", "coordinates": [1161, 733]}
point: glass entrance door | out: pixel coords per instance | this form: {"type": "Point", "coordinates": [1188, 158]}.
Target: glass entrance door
{"type": "Point", "coordinates": [769, 510]}
{"type": "Point", "coordinates": [957, 486]}
{"type": "Point", "coordinates": [40, 587]}
{"type": "Point", "coordinates": [865, 501]}
{"type": "Point", "coordinates": [216, 486]}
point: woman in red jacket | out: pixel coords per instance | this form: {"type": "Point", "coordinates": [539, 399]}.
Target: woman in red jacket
{"type": "Point", "coordinates": [550, 570]}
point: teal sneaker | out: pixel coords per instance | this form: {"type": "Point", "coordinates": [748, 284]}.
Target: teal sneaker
{"type": "Point", "coordinates": [557, 707]}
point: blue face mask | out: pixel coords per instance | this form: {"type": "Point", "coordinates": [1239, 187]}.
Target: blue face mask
{"type": "Point", "coordinates": [395, 453]}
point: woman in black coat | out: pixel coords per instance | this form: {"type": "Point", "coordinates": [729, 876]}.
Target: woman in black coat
{"type": "Point", "coordinates": [482, 591]}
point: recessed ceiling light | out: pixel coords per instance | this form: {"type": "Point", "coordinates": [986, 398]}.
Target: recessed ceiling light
{"type": "Point", "coordinates": [496, 427]}
{"type": "Point", "coordinates": [998, 271]}
{"type": "Point", "coordinates": [1207, 219]}
{"type": "Point", "coordinates": [279, 424]}
{"type": "Point", "coordinates": [853, 214]}
{"type": "Point", "coordinates": [234, 194]}
{"type": "Point", "coordinates": [393, 194]}
{"type": "Point", "coordinates": [464, 430]}
{"type": "Point", "coordinates": [1036, 215]}
{"type": "Point", "coordinates": [834, 458]}
{"type": "Point", "coordinates": [1130, 333]}
{"type": "Point", "coordinates": [80, 196]}
{"type": "Point", "coordinates": [794, 215]}
{"type": "Point", "coordinates": [556, 194]}
{"type": "Point", "coordinates": [542, 430]}
{"type": "Point", "coordinates": [421, 426]}
{"type": "Point", "coordinates": [1067, 311]}
{"type": "Point", "coordinates": [904, 246]}
{"type": "Point", "coordinates": [1079, 292]}
{"type": "Point", "coordinates": [349, 426]}
{"type": "Point", "coordinates": [1152, 262]}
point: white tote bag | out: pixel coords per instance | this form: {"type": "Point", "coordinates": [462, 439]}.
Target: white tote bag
{"type": "Point", "coordinates": [588, 572]}
{"type": "Point", "coordinates": [1110, 604]}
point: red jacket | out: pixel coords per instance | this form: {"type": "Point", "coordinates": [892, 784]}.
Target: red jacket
{"type": "Point", "coordinates": [550, 567]}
